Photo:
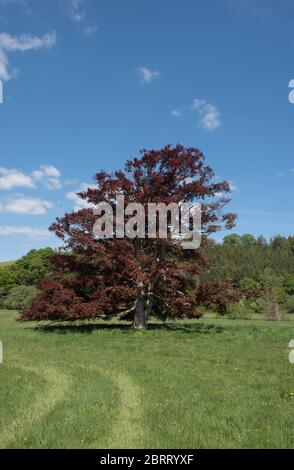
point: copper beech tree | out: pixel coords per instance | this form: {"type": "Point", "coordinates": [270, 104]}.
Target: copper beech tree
{"type": "Point", "coordinates": [133, 278]}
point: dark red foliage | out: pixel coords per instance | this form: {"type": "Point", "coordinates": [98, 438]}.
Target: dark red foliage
{"type": "Point", "coordinates": [217, 296]}
{"type": "Point", "coordinates": [118, 277]}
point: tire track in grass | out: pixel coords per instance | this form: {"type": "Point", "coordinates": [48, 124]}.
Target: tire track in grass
{"type": "Point", "coordinates": [127, 432]}
{"type": "Point", "coordinates": [58, 384]}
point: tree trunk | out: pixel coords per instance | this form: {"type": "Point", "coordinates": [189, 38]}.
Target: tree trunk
{"type": "Point", "coordinates": [141, 315]}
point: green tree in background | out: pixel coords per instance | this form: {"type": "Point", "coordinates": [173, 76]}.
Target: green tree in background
{"type": "Point", "coordinates": [33, 266]}
{"type": "Point", "coordinates": [232, 239]}
{"type": "Point", "coordinates": [249, 284]}
{"type": "Point", "coordinates": [248, 240]}
{"type": "Point", "coordinates": [25, 272]}
{"type": "Point", "coordinates": [7, 278]}
{"type": "Point", "coordinates": [20, 297]}
{"type": "Point", "coordinates": [289, 284]}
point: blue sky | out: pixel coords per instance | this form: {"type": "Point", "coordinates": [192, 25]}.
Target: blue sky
{"type": "Point", "coordinates": [87, 83]}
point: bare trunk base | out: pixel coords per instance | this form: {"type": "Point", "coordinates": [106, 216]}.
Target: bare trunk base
{"type": "Point", "coordinates": [140, 316]}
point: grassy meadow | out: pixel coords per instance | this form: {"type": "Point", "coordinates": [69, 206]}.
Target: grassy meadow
{"type": "Point", "coordinates": [190, 384]}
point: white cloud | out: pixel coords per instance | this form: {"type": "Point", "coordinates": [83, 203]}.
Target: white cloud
{"type": "Point", "coordinates": [147, 75]}
{"type": "Point", "coordinates": [29, 232]}
{"type": "Point", "coordinates": [21, 43]}
{"type": "Point", "coordinates": [80, 203]}
{"type": "Point", "coordinates": [209, 114]}
{"type": "Point", "coordinates": [25, 205]}
{"type": "Point", "coordinates": [175, 113]}
{"type": "Point", "coordinates": [49, 176]}
{"type": "Point", "coordinates": [11, 178]}
{"type": "Point", "coordinates": [25, 42]}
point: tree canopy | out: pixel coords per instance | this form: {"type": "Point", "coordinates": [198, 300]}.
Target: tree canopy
{"type": "Point", "coordinates": [95, 277]}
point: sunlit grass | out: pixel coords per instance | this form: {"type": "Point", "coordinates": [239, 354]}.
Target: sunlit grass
{"type": "Point", "coordinates": [193, 384]}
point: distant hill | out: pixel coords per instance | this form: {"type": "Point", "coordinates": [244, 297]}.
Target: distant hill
{"type": "Point", "coordinates": [6, 263]}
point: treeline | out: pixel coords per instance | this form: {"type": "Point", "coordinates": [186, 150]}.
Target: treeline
{"type": "Point", "coordinates": [246, 262]}
{"type": "Point", "coordinates": [255, 263]}
{"type": "Point", "coordinates": [241, 256]}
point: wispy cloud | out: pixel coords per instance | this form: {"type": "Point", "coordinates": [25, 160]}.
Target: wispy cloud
{"type": "Point", "coordinates": [281, 174]}
{"type": "Point", "coordinates": [208, 113]}
{"type": "Point", "coordinates": [25, 205]}
{"type": "Point", "coordinates": [252, 8]}
{"type": "Point", "coordinates": [175, 113]}
{"type": "Point", "coordinates": [29, 232]}
{"type": "Point", "coordinates": [23, 43]}
{"type": "Point", "coordinates": [75, 10]}
{"type": "Point", "coordinates": [22, 3]}
{"type": "Point", "coordinates": [147, 75]}
{"type": "Point", "coordinates": [232, 185]}
{"type": "Point", "coordinates": [10, 2]}
{"type": "Point", "coordinates": [90, 30]}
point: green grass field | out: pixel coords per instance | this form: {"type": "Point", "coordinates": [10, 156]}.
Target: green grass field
{"type": "Point", "coordinates": [194, 384]}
